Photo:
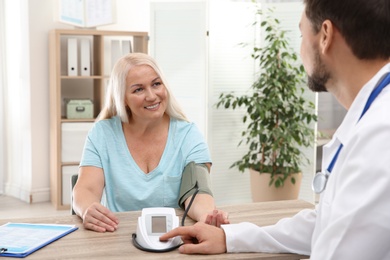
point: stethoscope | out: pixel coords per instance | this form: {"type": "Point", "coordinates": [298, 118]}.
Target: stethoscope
{"type": "Point", "coordinates": [321, 178]}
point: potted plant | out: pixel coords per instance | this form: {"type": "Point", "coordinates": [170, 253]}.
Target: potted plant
{"type": "Point", "coordinates": [277, 116]}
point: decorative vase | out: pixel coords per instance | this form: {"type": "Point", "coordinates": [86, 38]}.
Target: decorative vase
{"type": "Point", "coordinates": [261, 191]}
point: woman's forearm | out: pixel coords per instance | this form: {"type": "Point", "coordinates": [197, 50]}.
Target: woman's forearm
{"type": "Point", "coordinates": [202, 205]}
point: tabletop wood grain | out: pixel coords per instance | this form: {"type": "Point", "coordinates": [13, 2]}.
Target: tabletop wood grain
{"type": "Point", "coordinates": [85, 244]}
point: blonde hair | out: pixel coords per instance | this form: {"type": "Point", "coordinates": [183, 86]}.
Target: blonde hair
{"type": "Point", "coordinates": [115, 96]}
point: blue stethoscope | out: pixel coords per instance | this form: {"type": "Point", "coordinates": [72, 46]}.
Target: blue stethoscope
{"type": "Point", "coordinates": [321, 178]}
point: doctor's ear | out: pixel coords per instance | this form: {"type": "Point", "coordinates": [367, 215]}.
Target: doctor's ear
{"type": "Point", "coordinates": [326, 36]}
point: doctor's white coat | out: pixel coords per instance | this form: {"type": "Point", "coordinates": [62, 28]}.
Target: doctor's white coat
{"type": "Point", "coordinates": [352, 219]}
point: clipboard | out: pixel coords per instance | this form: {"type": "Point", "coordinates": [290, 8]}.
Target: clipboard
{"type": "Point", "coordinates": [21, 239]}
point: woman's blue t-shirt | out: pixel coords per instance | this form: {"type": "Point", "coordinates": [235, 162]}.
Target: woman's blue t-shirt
{"type": "Point", "coordinates": [127, 187]}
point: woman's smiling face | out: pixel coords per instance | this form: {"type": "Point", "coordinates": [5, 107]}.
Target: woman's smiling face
{"type": "Point", "coordinates": [146, 95]}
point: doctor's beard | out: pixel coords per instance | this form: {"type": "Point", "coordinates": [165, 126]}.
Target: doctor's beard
{"type": "Point", "coordinates": [316, 82]}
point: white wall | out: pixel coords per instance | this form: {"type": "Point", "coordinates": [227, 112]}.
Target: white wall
{"type": "Point", "coordinates": [2, 79]}
{"type": "Point", "coordinates": [17, 99]}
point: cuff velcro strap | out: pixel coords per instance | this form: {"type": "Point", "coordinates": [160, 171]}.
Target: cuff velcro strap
{"type": "Point", "coordinates": [195, 176]}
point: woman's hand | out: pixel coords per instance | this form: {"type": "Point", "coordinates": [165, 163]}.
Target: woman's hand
{"type": "Point", "coordinates": [216, 218]}
{"type": "Point", "coordinates": [100, 219]}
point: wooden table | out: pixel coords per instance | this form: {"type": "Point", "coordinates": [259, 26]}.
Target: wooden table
{"type": "Point", "coordinates": [85, 244]}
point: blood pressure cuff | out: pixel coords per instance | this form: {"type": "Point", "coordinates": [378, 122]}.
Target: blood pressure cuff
{"type": "Point", "coordinates": [194, 176]}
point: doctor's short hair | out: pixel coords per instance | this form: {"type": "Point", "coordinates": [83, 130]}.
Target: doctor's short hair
{"type": "Point", "coordinates": [364, 24]}
{"type": "Point", "coordinates": [115, 95]}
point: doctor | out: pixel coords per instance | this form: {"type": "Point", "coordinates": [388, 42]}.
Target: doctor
{"type": "Point", "coordinates": [345, 50]}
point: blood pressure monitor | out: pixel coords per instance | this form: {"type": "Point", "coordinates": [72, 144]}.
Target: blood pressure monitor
{"type": "Point", "coordinates": [153, 223]}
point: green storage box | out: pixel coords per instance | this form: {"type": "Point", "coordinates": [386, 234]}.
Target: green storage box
{"type": "Point", "coordinates": [79, 108]}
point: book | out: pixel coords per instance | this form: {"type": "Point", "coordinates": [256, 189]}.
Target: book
{"type": "Point", "coordinates": [22, 239]}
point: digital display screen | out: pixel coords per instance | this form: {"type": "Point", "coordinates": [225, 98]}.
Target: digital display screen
{"type": "Point", "coordinates": [159, 224]}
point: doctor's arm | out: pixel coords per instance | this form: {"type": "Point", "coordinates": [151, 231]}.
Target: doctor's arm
{"type": "Point", "coordinates": [87, 194]}
{"type": "Point", "coordinates": [289, 235]}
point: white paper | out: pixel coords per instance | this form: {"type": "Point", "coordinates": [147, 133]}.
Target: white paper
{"type": "Point", "coordinates": [72, 11]}
{"type": "Point", "coordinates": [20, 238]}
{"type": "Point", "coordinates": [86, 13]}
{"type": "Point", "coordinates": [99, 12]}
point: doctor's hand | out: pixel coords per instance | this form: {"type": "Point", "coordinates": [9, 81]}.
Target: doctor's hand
{"type": "Point", "coordinates": [199, 239]}
{"type": "Point", "coordinates": [100, 219]}
{"type": "Point", "coordinates": [216, 218]}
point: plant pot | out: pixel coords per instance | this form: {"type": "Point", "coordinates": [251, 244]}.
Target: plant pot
{"type": "Point", "coordinates": [261, 191]}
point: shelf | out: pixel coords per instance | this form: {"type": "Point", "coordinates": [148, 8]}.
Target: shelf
{"type": "Point", "coordinates": [70, 164]}
{"type": "Point", "coordinates": [84, 77]}
{"type": "Point", "coordinates": [77, 120]}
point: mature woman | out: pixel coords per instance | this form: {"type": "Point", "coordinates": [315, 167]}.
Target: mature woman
{"type": "Point", "coordinates": [136, 154]}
